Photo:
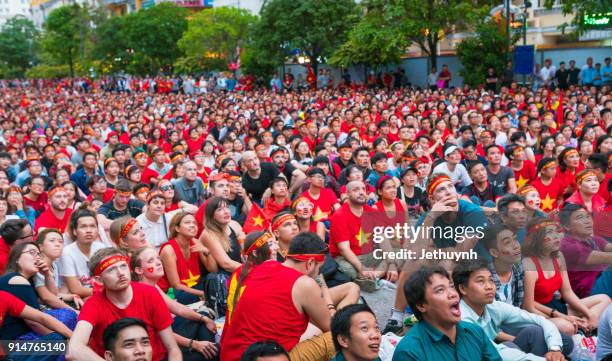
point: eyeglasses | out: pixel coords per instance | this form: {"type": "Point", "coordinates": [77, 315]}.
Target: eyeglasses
{"type": "Point", "coordinates": [33, 252]}
{"type": "Point", "coordinates": [31, 235]}
{"type": "Point", "coordinates": [166, 188]}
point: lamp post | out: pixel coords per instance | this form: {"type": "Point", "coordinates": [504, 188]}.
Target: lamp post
{"type": "Point", "coordinates": [507, 5]}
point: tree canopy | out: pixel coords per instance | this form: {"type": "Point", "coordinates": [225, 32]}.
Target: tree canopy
{"type": "Point", "coordinates": [18, 41]}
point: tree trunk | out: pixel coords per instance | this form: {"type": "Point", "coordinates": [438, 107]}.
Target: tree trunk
{"type": "Point", "coordinates": [70, 64]}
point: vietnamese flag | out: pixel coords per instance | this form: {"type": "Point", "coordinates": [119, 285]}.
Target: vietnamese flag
{"type": "Point", "coordinates": [560, 119]}
{"type": "Point", "coordinates": [548, 101]}
{"type": "Point", "coordinates": [256, 220]}
{"type": "Point", "coordinates": [311, 78]}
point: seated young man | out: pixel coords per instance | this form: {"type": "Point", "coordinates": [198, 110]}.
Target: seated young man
{"type": "Point", "coordinates": [588, 256]}
{"type": "Point", "coordinates": [355, 333]}
{"type": "Point", "coordinates": [535, 337]}
{"type": "Point", "coordinates": [440, 334]}
{"type": "Point", "coordinates": [506, 266]}
{"type": "Point", "coordinates": [126, 340]}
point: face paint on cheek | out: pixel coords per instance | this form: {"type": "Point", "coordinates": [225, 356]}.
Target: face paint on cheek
{"type": "Point", "coordinates": [150, 269]}
{"type": "Point", "coordinates": [531, 202]}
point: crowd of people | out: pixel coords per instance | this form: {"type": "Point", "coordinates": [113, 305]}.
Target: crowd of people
{"type": "Point", "coordinates": [166, 223]}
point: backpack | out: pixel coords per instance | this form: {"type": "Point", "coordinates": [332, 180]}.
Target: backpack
{"type": "Point", "coordinates": [216, 290]}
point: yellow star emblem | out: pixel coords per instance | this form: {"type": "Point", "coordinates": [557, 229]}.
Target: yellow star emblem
{"type": "Point", "coordinates": [192, 280]}
{"type": "Point", "coordinates": [362, 237]}
{"type": "Point", "coordinates": [521, 181]}
{"type": "Point", "coordinates": [319, 214]}
{"type": "Point", "coordinates": [258, 221]}
{"type": "Point", "coordinates": [547, 203]}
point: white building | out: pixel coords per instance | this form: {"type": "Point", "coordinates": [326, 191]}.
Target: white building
{"type": "Point", "coordinates": [10, 8]}
{"type": "Point", "coordinates": [254, 6]}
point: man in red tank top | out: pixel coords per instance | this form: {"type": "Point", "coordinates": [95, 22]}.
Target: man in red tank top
{"type": "Point", "coordinates": [277, 302]}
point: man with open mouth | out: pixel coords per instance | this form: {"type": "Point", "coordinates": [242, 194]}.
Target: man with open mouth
{"type": "Point", "coordinates": [440, 334]}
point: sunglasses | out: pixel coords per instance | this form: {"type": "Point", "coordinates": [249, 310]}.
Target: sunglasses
{"type": "Point", "coordinates": [166, 188]}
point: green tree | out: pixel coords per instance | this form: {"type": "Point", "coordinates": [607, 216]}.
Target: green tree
{"type": "Point", "coordinates": [18, 39]}
{"type": "Point", "coordinates": [66, 33]}
{"type": "Point", "coordinates": [581, 8]}
{"type": "Point", "coordinates": [153, 35]}
{"type": "Point", "coordinates": [214, 35]}
{"type": "Point", "coordinates": [389, 27]}
{"type": "Point", "coordinates": [111, 42]}
{"type": "Point", "coordinates": [481, 51]}
{"type": "Point", "coordinates": [316, 27]}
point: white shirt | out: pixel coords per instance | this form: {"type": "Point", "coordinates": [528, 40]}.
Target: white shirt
{"type": "Point", "coordinates": [155, 234]}
{"type": "Point", "coordinates": [73, 263]}
{"type": "Point", "coordinates": [458, 176]}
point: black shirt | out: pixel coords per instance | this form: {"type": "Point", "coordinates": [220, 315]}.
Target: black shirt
{"type": "Point", "coordinates": [257, 187]}
{"type": "Point", "coordinates": [133, 209]}
{"type": "Point", "coordinates": [488, 194]}
{"type": "Point", "coordinates": [573, 76]}
{"type": "Point", "coordinates": [562, 77]}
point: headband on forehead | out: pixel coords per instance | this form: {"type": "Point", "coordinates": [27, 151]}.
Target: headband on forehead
{"type": "Point", "coordinates": [55, 190]}
{"type": "Point", "coordinates": [298, 200]}
{"type": "Point", "coordinates": [142, 190]}
{"type": "Point", "coordinates": [107, 161]}
{"type": "Point", "coordinates": [570, 153]}
{"type": "Point", "coordinates": [517, 149]}
{"type": "Point", "coordinates": [282, 219]}
{"type": "Point", "coordinates": [543, 224]}
{"type": "Point", "coordinates": [552, 163]}
{"type": "Point", "coordinates": [259, 242]}
{"type": "Point", "coordinates": [431, 187]}
{"type": "Point", "coordinates": [140, 155]}
{"type": "Point", "coordinates": [177, 157]}
{"type": "Point", "coordinates": [154, 194]}
{"type": "Point", "coordinates": [526, 190]}
{"type": "Point", "coordinates": [108, 262]}
{"type": "Point", "coordinates": [306, 256]}
{"type": "Point", "coordinates": [582, 176]}
{"type": "Point", "coordinates": [128, 226]}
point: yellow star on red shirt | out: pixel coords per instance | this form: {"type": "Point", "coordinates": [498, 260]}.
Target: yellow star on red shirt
{"type": "Point", "coordinates": [319, 215]}
{"type": "Point", "coordinates": [520, 182]}
{"type": "Point", "coordinates": [547, 203]}
{"type": "Point", "coordinates": [362, 237]}
{"type": "Point", "coordinates": [192, 280]}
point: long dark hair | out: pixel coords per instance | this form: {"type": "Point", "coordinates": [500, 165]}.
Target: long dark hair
{"type": "Point", "coordinates": [15, 254]}
{"type": "Point", "coordinates": [257, 257]}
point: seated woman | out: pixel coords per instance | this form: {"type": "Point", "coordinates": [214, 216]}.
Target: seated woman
{"type": "Point", "coordinates": [127, 234]}
{"type": "Point", "coordinates": [49, 285]}
{"type": "Point", "coordinates": [546, 274]}
{"type": "Point", "coordinates": [172, 201]}
{"type": "Point", "coordinates": [193, 331]}
{"type": "Point", "coordinates": [24, 263]}
{"type": "Point", "coordinates": [586, 192]}
{"type": "Point", "coordinates": [13, 308]}
{"type": "Point", "coordinates": [17, 206]}
{"type": "Point", "coordinates": [4, 215]}
{"type": "Point", "coordinates": [221, 236]}
{"type": "Point", "coordinates": [302, 209]}
{"type": "Point", "coordinates": [182, 257]}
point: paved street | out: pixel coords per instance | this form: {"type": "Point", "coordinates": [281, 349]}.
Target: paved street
{"type": "Point", "coordinates": [381, 302]}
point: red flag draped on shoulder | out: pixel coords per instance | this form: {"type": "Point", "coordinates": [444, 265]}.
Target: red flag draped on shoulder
{"type": "Point", "coordinates": [256, 220]}
{"type": "Point", "coordinates": [560, 119]}
{"type": "Point", "coordinates": [548, 100]}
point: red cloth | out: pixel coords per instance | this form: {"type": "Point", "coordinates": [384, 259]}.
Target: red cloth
{"type": "Point", "coordinates": [39, 205]}
{"type": "Point", "coordinates": [147, 305]}
{"type": "Point", "coordinates": [265, 311]}
{"type": "Point", "coordinates": [188, 269]}
{"type": "Point", "coordinates": [549, 193]}
{"type": "Point", "coordinates": [324, 205]}
{"type": "Point", "coordinates": [199, 217]}
{"type": "Point", "coordinates": [526, 175]}
{"type": "Point", "coordinates": [271, 208]}
{"type": "Point", "coordinates": [256, 220]}
{"type": "Point", "coordinates": [597, 203]}
{"type": "Point", "coordinates": [48, 220]}
{"type": "Point", "coordinates": [346, 226]}
{"type": "Point", "coordinates": [106, 197]}
{"type": "Point", "coordinates": [10, 305]}
{"type": "Point", "coordinates": [195, 145]}
{"type": "Point", "coordinates": [545, 288]}
{"type": "Point", "coordinates": [147, 174]}
{"type": "Point", "coordinates": [4, 255]}
{"type": "Point", "coordinates": [603, 188]}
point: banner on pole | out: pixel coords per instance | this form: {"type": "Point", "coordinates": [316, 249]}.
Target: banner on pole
{"type": "Point", "coordinates": [524, 59]}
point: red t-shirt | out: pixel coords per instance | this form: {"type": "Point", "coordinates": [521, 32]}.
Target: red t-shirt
{"type": "Point", "coordinates": [526, 174]}
{"type": "Point", "coordinates": [48, 220]}
{"type": "Point", "coordinates": [188, 269]}
{"type": "Point", "coordinates": [4, 255]}
{"type": "Point", "coordinates": [265, 311]}
{"type": "Point", "coordinates": [10, 305]}
{"type": "Point", "coordinates": [39, 205]}
{"type": "Point", "coordinates": [603, 188]}
{"type": "Point", "coordinates": [106, 197]}
{"type": "Point", "coordinates": [346, 226]}
{"type": "Point", "coordinates": [147, 305]}
{"type": "Point", "coordinates": [147, 174]}
{"type": "Point", "coordinates": [324, 205]}
{"type": "Point", "coordinates": [549, 193]}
